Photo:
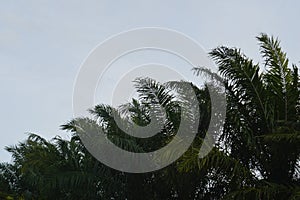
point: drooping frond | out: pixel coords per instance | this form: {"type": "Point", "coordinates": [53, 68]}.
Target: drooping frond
{"type": "Point", "coordinates": [213, 76]}
{"type": "Point", "coordinates": [244, 80]}
{"type": "Point", "coordinates": [150, 90]}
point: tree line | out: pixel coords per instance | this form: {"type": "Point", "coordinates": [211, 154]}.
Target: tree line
{"type": "Point", "coordinates": [256, 154]}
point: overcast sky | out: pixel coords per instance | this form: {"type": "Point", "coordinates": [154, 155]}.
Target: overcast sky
{"type": "Point", "coordinates": [43, 43]}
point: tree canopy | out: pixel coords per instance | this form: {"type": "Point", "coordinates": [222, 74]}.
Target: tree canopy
{"type": "Point", "coordinates": [256, 154]}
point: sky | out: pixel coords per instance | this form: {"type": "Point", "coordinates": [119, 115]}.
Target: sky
{"type": "Point", "coordinates": [43, 44]}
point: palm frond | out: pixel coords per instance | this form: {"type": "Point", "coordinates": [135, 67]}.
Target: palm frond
{"type": "Point", "coordinates": [278, 77]}
{"type": "Point", "coordinates": [244, 80]}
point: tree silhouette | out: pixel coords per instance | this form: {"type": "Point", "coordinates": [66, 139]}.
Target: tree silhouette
{"type": "Point", "coordinates": [256, 154]}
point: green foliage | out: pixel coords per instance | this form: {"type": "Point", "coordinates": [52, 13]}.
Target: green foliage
{"type": "Point", "coordinates": [262, 123]}
{"type": "Point", "coordinates": [257, 154]}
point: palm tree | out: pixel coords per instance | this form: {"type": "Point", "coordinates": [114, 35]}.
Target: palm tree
{"type": "Point", "coordinates": [149, 185]}
{"type": "Point", "coordinates": [61, 169]}
{"type": "Point", "coordinates": [258, 152]}
{"type": "Point", "coordinates": [58, 169]}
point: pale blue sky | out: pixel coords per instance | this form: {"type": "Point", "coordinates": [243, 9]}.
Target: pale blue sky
{"type": "Point", "coordinates": [43, 43]}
